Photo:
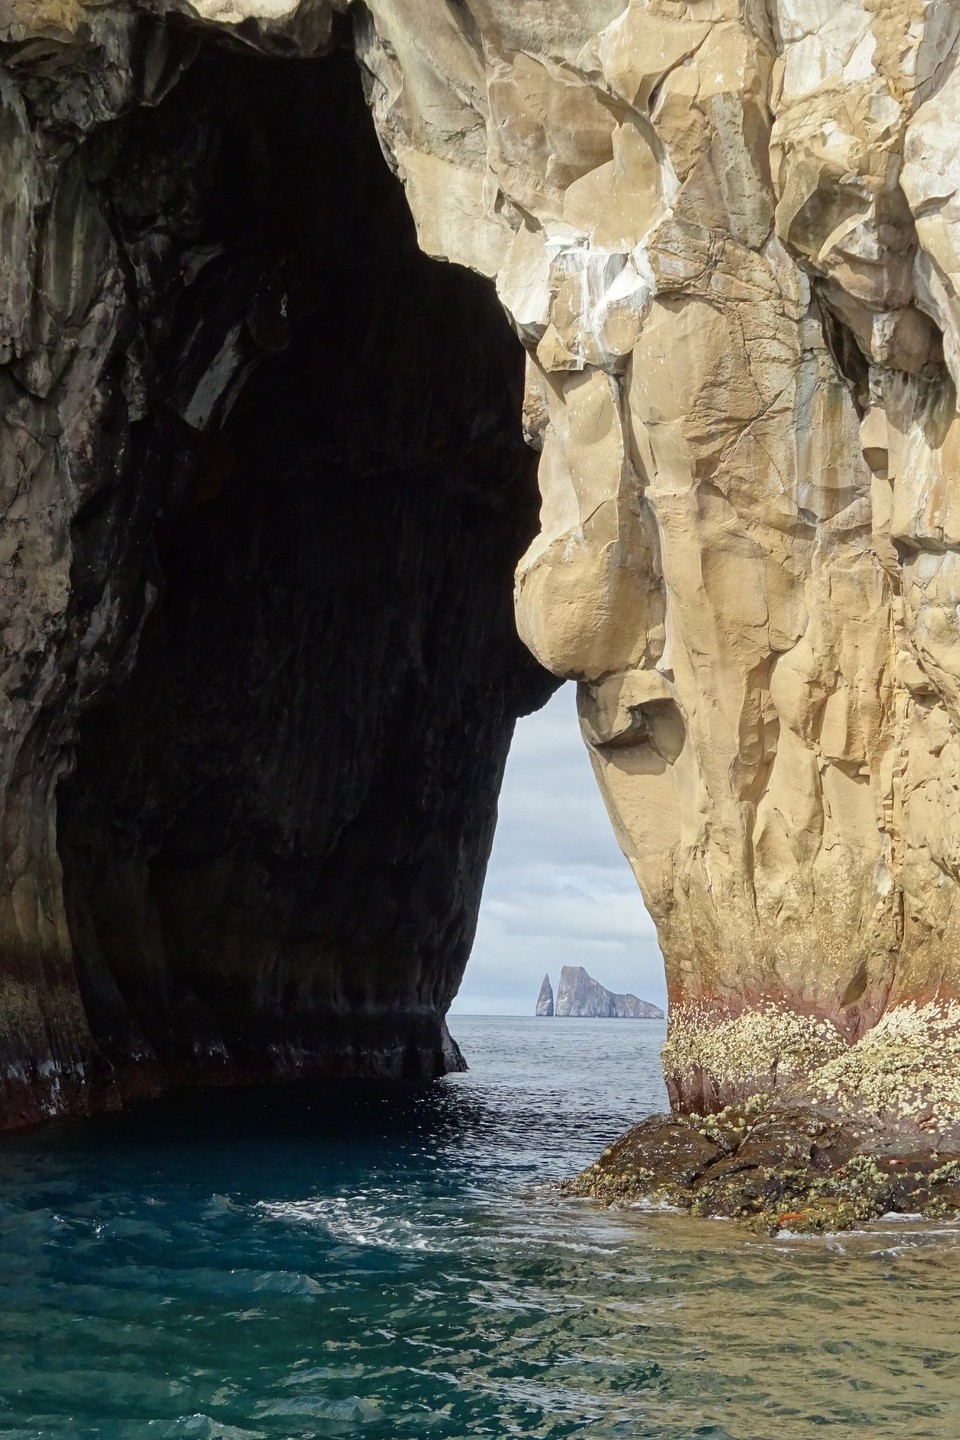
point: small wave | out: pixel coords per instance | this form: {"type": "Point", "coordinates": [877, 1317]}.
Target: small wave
{"type": "Point", "coordinates": [198, 1427]}
{"type": "Point", "coordinates": [651, 1206]}
{"type": "Point", "coordinates": [354, 1222]}
{"type": "Point", "coordinates": [349, 1411]}
{"type": "Point", "coordinates": [286, 1282]}
{"type": "Point", "coordinates": [219, 1205]}
{"type": "Point", "coordinates": [320, 1374]}
{"type": "Point", "coordinates": [923, 1233]}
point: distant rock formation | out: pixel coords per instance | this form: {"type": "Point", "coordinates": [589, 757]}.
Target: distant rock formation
{"type": "Point", "coordinates": [545, 998]}
{"type": "Point", "coordinates": [578, 994]}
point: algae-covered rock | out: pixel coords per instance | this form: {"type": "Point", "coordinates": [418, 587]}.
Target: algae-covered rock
{"type": "Point", "coordinates": [772, 1169]}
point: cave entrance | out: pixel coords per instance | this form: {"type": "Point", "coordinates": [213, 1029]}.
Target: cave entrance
{"type": "Point", "coordinates": [275, 832]}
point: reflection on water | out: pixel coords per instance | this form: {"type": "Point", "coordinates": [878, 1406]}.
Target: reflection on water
{"type": "Point", "coordinates": [354, 1260]}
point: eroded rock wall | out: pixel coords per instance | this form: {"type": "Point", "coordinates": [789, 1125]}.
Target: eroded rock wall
{"type": "Point", "coordinates": [262, 509]}
{"type": "Point", "coordinates": [726, 234]}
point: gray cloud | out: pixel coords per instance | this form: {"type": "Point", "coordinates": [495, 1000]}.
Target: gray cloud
{"type": "Point", "coordinates": [558, 891]}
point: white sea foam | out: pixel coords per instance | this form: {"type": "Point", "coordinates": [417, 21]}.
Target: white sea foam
{"type": "Point", "coordinates": [355, 1221]}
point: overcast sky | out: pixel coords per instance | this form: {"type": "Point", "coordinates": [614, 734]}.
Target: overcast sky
{"type": "Point", "coordinates": [558, 891]}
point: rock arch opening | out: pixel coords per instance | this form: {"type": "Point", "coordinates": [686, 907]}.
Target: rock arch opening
{"type": "Point", "coordinates": [288, 670]}
{"type": "Point", "coordinates": [559, 895]}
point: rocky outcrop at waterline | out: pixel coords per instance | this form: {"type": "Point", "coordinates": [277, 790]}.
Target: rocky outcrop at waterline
{"type": "Point", "coordinates": [578, 994]}
{"type": "Point", "coordinates": [774, 1170]}
{"type": "Point", "coordinates": [265, 489]}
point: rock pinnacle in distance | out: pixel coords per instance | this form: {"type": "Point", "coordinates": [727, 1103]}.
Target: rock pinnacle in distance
{"type": "Point", "coordinates": [545, 998]}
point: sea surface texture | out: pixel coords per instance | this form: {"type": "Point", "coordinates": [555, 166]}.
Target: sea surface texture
{"type": "Point", "coordinates": [380, 1262]}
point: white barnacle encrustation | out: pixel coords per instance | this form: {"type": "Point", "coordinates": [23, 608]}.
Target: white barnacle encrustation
{"type": "Point", "coordinates": [768, 1040]}
{"type": "Point", "coordinates": [906, 1067]}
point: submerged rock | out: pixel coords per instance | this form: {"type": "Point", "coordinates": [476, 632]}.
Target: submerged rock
{"type": "Point", "coordinates": [578, 994]}
{"type": "Point", "coordinates": [545, 998]}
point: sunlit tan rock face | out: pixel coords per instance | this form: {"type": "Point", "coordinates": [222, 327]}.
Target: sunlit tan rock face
{"type": "Point", "coordinates": [728, 236]}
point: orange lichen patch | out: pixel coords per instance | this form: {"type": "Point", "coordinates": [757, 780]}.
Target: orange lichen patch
{"type": "Point", "coordinates": [792, 1217]}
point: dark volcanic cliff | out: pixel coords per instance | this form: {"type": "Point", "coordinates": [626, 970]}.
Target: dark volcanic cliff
{"type": "Point", "coordinates": [262, 508]}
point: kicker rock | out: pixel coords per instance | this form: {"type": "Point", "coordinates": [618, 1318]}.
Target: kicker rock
{"type": "Point", "coordinates": [578, 994]}
{"type": "Point", "coordinates": [545, 998]}
{"type": "Point", "coordinates": [726, 234]}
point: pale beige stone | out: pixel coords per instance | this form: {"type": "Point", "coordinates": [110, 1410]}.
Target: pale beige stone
{"type": "Point", "coordinates": [747, 547]}
{"type": "Point", "coordinates": [643, 46]}
{"type": "Point", "coordinates": [234, 12]}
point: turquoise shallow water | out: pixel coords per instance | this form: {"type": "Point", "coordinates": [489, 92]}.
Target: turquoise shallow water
{"type": "Point", "coordinates": [360, 1261]}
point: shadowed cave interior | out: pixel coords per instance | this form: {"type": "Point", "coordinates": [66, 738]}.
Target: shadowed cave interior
{"type": "Point", "coordinates": [276, 827]}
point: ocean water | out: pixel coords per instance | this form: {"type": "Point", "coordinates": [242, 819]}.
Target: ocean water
{"type": "Point", "coordinates": [357, 1260]}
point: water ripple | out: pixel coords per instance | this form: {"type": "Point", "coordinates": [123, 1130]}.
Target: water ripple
{"type": "Point", "coordinates": [332, 1261]}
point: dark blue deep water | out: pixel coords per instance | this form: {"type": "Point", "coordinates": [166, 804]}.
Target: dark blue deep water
{"type": "Point", "coordinates": [358, 1261]}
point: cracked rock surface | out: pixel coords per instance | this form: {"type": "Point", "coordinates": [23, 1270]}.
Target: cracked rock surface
{"type": "Point", "coordinates": [727, 235]}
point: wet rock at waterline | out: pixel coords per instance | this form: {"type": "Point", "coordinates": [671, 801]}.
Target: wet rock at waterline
{"type": "Point", "coordinates": [578, 994]}
{"type": "Point", "coordinates": [545, 998]}
{"type": "Point", "coordinates": [238, 406]}
{"type": "Point", "coordinates": [774, 1169]}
